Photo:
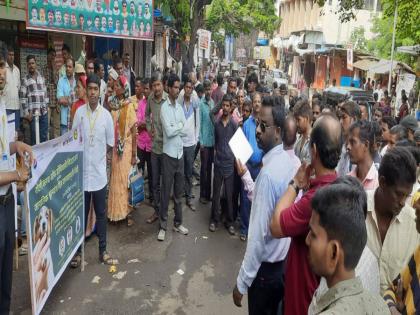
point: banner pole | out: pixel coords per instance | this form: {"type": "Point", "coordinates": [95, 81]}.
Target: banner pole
{"type": "Point", "coordinates": [31, 280]}
{"type": "Point", "coordinates": [37, 126]}
{"type": "Point", "coordinates": [82, 268]}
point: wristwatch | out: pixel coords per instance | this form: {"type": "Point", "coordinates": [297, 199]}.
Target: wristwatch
{"type": "Point", "coordinates": [295, 187]}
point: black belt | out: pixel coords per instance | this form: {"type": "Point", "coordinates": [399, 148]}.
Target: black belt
{"type": "Point", "coordinates": [4, 199]}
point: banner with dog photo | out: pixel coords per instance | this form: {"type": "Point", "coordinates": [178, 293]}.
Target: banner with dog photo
{"type": "Point", "coordinates": [55, 203]}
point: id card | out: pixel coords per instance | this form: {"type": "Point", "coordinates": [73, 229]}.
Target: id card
{"type": "Point", "coordinates": [5, 162]}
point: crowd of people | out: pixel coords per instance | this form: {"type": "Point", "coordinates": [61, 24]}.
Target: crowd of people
{"type": "Point", "coordinates": [325, 202]}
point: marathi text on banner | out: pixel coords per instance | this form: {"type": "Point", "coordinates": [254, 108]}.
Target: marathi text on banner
{"type": "Point", "coordinates": [132, 19]}
{"type": "Point", "coordinates": [55, 200]}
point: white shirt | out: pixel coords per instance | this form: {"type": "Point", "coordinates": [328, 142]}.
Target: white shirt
{"type": "Point", "coordinates": [102, 91]}
{"type": "Point", "coordinates": [12, 87]}
{"type": "Point", "coordinates": [270, 185]}
{"type": "Point", "coordinates": [5, 165]}
{"type": "Point", "coordinates": [400, 242]}
{"type": "Point", "coordinates": [192, 124]}
{"type": "Point", "coordinates": [102, 134]}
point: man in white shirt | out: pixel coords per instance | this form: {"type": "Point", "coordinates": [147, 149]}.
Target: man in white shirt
{"type": "Point", "coordinates": [192, 128]}
{"type": "Point", "coordinates": [173, 122]}
{"type": "Point", "coordinates": [98, 135]}
{"type": "Point", "coordinates": [390, 223]}
{"type": "Point", "coordinates": [12, 88]}
{"type": "Point", "coordinates": [261, 272]}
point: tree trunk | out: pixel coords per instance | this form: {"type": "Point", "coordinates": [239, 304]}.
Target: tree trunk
{"type": "Point", "coordinates": [196, 23]}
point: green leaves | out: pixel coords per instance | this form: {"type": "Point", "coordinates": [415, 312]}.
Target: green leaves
{"type": "Point", "coordinates": [242, 16]}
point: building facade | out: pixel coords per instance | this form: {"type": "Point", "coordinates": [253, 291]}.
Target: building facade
{"type": "Point", "coordinates": [304, 15]}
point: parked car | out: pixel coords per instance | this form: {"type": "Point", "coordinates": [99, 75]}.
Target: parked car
{"type": "Point", "coordinates": [334, 95]}
{"type": "Point", "coordinates": [278, 76]}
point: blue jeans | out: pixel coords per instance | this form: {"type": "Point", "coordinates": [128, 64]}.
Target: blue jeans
{"type": "Point", "coordinates": [245, 208]}
{"type": "Point", "coordinates": [43, 129]}
{"type": "Point", "coordinates": [63, 129]}
{"type": "Point", "coordinates": [17, 117]}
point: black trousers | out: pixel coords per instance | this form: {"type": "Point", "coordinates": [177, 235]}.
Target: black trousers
{"type": "Point", "coordinates": [172, 176]}
{"type": "Point", "coordinates": [98, 199]}
{"type": "Point", "coordinates": [146, 161]}
{"type": "Point", "coordinates": [218, 180]}
{"type": "Point", "coordinates": [156, 163]}
{"type": "Point", "coordinates": [188, 156]}
{"type": "Point", "coordinates": [206, 156]}
{"type": "Point", "coordinates": [7, 243]}
{"type": "Point", "coordinates": [267, 289]}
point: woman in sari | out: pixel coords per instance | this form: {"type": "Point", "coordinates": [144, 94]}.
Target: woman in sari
{"type": "Point", "coordinates": [124, 153]}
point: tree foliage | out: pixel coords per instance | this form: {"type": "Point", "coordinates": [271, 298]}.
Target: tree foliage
{"type": "Point", "coordinates": [358, 39]}
{"type": "Point", "coordinates": [380, 45]}
{"type": "Point", "coordinates": [347, 9]}
{"type": "Point", "coordinates": [408, 22]}
{"type": "Point", "coordinates": [242, 16]}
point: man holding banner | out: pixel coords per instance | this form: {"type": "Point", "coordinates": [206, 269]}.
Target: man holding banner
{"type": "Point", "coordinates": [8, 175]}
{"type": "Point", "coordinates": [98, 134]}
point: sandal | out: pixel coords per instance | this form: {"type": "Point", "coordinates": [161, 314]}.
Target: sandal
{"type": "Point", "coordinates": [130, 221]}
{"type": "Point", "coordinates": [106, 259]}
{"type": "Point", "coordinates": [23, 250]}
{"type": "Point", "coordinates": [152, 218]}
{"type": "Point", "coordinates": [76, 261]}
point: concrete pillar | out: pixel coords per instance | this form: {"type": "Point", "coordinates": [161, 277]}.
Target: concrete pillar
{"type": "Point", "coordinates": [148, 65]}
{"type": "Point", "coordinates": [138, 57]}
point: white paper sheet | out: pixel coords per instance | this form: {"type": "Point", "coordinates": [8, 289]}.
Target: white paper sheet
{"type": "Point", "coordinates": [240, 146]}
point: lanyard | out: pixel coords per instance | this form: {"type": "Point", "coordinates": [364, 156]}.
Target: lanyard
{"type": "Point", "coordinates": [92, 122]}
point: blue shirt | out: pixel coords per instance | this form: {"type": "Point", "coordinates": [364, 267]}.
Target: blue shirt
{"type": "Point", "coordinates": [65, 89]}
{"type": "Point", "coordinates": [249, 128]}
{"type": "Point", "coordinates": [173, 122]}
{"type": "Point", "coordinates": [272, 182]}
{"type": "Point", "coordinates": [206, 125]}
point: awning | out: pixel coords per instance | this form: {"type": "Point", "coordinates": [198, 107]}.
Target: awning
{"type": "Point", "coordinates": [383, 66]}
{"type": "Point", "coordinates": [365, 64]}
{"type": "Point", "coordinates": [412, 50]}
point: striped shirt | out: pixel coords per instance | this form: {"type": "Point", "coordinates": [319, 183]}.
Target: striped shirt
{"type": "Point", "coordinates": [410, 284]}
{"type": "Point", "coordinates": [51, 79]}
{"type": "Point", "coordinates": [33, 94]}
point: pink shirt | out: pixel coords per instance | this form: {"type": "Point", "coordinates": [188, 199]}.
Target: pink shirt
{"type": "Point", "coordinates": [371, 180]}
{"type": "Point", "coordinates": [144, 140]}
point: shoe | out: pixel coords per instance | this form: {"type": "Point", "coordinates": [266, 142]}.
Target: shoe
{"type": "Point", "coordinates": [161, 235]}
{"type": "Point", "coordinates": [191, 206]}
{"type": "Point", "coordinates": [242, 237]}
{"type": "Point", "coordinates": [212, 227]}
{"type": "Point", "coordinates": [231, 230]}
{"type": "Point", "coordinates": [203, 201]}
{"type": "Point", "coordinates": [181, 229]}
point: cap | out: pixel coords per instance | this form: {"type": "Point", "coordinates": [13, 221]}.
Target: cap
{"type": "Point", "coordinates": [79, 68]}
{"type": "Point", "coordinates": [409, 122]}
{"type": "Point", "coordinates": [113, 74]}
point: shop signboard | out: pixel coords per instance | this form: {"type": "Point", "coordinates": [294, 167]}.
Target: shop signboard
{"type": "Point", "coordinates": [108, 18]}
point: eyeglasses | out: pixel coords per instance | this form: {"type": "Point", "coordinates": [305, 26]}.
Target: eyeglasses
{"type": "Point", "coordinates": [263, 126]}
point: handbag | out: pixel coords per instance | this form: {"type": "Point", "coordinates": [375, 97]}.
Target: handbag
{"type": "Point", "coordinates": [136, 186]}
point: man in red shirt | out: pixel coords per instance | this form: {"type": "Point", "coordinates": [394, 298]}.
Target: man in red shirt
{"type": "Point", "coordinates": [292, 219]}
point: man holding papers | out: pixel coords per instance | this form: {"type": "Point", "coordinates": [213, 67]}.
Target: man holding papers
{"type": "Point", "coordinates": [224, 129]}
{"type": "Point", "coordinates": [261, 273]}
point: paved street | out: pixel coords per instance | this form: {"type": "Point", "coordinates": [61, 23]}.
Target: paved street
{"type": "Point", "coordinates": [152, 285]}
